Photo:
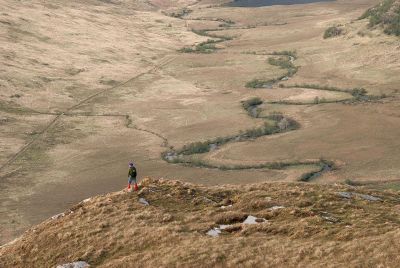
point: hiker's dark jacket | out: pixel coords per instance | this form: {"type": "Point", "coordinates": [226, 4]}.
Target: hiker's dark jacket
{"type": "Point", "coordinates": [132, 172]}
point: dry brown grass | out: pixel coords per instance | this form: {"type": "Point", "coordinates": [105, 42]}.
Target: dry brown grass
{"type": "Point", "coordinates": [55, 55]}
{"type": "Point", "coordinates": [315, 228]}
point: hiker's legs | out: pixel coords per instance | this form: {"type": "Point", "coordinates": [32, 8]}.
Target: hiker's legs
{"type": "Point", "coordinates": [134, 181]}
{"type": "Point", "coordinates": [129, 183]}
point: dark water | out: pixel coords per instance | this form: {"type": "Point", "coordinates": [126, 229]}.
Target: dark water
{"type": "Point", "coordinates": [261, 3]}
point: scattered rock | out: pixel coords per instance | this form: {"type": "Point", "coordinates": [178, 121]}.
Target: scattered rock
{"type": "Point", "coordinates": [58, 216]}
{"type": "Point", "coordinates": [345, 194]}
{"type": "Point", "coordinates": [253, 220]}
{"type": "Point", "coordinates": [349, 195]}
{"type": "Point", "coordinates": [330, 219]}
{"type": "Point", "coordinates": [86, 200]}
{"type": "Point", "coordinates": [214, 232]}
{"type": "Point", "coordinates": [228, 206]}
{"type": "Point", "coordinates": [143, 201]}
{"type": "Point", "coordinates": [213, 147]}
{"type": "Point", "coordinates": [326, 216]}
{"type": "Point", "coordinates": [233, 228]}
{"type": "Point", "coordinates": [276, 207]}
{"type": "Point", "coordinates": [369, 197]}
{"type": "Point", "coordinates": [190, 191]}
{"type": "Point", "coordinates": [77, 264]}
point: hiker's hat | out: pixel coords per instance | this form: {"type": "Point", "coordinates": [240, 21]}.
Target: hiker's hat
{"type": "Point", "coordinates": [131, 164]}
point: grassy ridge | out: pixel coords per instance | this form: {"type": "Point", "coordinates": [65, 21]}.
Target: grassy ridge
{"type": "Point", "coordinates": [386, 14]}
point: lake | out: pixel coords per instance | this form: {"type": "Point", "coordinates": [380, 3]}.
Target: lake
{"type": "Point", "coordinates": [260, 3]}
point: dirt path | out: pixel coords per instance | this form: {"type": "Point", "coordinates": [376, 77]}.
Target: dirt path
{"type": "Point", "coordinates": [164, 61]}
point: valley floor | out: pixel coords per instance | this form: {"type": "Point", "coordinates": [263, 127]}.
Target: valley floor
{"type": "Point", "coordinates": [87, 86]}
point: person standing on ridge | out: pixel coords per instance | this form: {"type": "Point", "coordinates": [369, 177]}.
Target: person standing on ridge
{"type": "Point", "coordinates": [132, 177]}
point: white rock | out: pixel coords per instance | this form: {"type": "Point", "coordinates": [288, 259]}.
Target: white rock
{"type": "Point", "coordinates": [143, 201]}
{"type": "Point", "coordinates": [214, 232]}
{"type": "Point", "coordinates": [276, 207]}
{"type": "Point", "coordinates": [55, 217]}
{"type": "Point", "coordinates": [77, 264]}
{"type": "Point", "coordinates": [253, 220]}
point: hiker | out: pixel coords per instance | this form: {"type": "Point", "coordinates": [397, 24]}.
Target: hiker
{"type": "Point", "coordinates": [132, 177]}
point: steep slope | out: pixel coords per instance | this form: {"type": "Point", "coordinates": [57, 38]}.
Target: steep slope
{"type": "Point", "coordinates": [297, 225]}
{"type": "Point", "coordinates": [387, 15]}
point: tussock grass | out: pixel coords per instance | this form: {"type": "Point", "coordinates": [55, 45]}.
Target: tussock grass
{"type": "Point", "coordinates": [332, 31]}
{"type": "Point", "coordinates": [385, 14]}
{"type": "Point", "coordinates": [290, 53]}
{"type": "Point", "coordinates": [179, 13]}
{"type": "Point", "coordinates": [104, 230]}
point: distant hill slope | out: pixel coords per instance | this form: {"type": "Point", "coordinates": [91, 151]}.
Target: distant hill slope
{"type": "Point", "coordinates": [293, 225]}
{"type": "Point", "coordinates": [386, 14]}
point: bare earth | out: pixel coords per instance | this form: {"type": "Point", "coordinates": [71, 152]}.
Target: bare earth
{"type": "Point", "coordinates": [86, 86]}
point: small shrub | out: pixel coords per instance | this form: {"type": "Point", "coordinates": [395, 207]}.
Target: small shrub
{"type": "Point", "coordinates": [196, 148]}
{"type": "Point", "coordinates": [358, 93]}
{"type": "Point", "coordinates": [251, 102]}
{"type": "Point", "coordinates": [181, 13]}
{"type": "Point", "coordinates": [352, 182]}
{"type": "Point", "coordinates": [291, 53]}
{"type": "Point", "coordinates": [187, 50]}
{"type": "Point", "coordinates": [387, 14]}
{"type": "Point", "coordinates": [284, 63]}
{"type": "Point", "coordinates": [283, 124]}
{"type": "Point", "coordinates": [332, 32]}
{"type": "Point", "coordinates": [259, 83]}
{"type": "Point", "coordinates": [230, 218]}
{"type": "Point", "coordinates": [307, 176]}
